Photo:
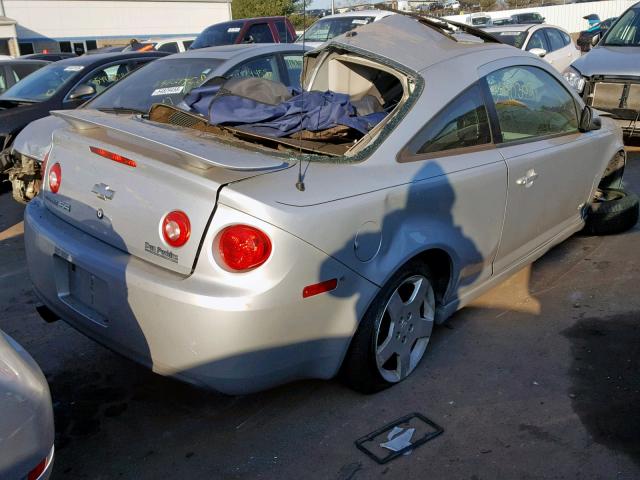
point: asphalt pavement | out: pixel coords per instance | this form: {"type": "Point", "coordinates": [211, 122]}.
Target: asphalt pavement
{"type": "Point", "coordinates": [538, 379]}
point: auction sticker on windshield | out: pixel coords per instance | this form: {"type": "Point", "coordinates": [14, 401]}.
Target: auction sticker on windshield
{"type": "Point", "coordinates": [73, 68]}
{"type": "Point", "coordinates": [167, 91]}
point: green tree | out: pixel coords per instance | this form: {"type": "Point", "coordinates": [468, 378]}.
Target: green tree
{"type": "Point", "coordinates": [264, 8]}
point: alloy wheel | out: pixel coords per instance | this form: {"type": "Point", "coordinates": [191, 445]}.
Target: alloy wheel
{"type": "Point", "coordinates": [404, 329]}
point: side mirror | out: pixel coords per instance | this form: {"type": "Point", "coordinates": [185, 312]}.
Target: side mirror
{"type": "Point", "coordinates": [249, 39]}
{"type": "Point", "coordinates": [83, 91]}
{"type": "Point", "coordinates": [595, 39]}
{"type": "Point", "coordinates": [541, 52]}
{"type": "Point", "coordinates": [588, 120]}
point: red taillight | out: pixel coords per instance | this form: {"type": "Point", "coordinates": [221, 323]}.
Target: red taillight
{"type": "Point", "coordinates": [55, 177]}
{"type": "Point", "coordinates": [113, 156]}
{"type": "Point", "coordinates": [317, 288]}
{"type": "Point", "coordinates": [243, 247]}
{"type": "Point", "coordinates": [176, 228]}
{"type": "Point", "coordinates": [37, 471]}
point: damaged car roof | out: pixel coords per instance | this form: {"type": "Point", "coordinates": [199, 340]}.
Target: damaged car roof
{"type": "Point", "coordinates": [425, 45]}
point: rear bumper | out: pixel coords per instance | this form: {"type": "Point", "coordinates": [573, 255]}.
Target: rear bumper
{"type": "Point", "coordinates": [223, 337]}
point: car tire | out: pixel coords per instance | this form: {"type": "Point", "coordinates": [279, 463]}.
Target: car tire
{"type": "Point", "coordinates": [394, 333]}
{"type": "Point", "coordinates": [615, 211]}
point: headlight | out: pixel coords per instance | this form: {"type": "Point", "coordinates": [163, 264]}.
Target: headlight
{"type": "Point", "coordinates": [574, 78]}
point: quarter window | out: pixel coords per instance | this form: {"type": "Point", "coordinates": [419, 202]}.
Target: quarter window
{"type": "Point", "coordinates": [463, 123]}
{"type": "Point", "coordinates": [530, 103]}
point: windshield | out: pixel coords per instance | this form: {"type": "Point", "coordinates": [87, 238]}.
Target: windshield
{"type": "Point", "coordinates": [220, 34]}
{"type": "Point", "coordinates": [163, 81]}
{"type": "Point", "coordinates": [327, 28]}
{"type": "Point", "coordinates": [480, 20]}
{"type": "Point", "coordinates": [626, 31]}
{"type": "Point", "coordinates": [515, 39]}
{"type": "Point", "coordinates": [42, 84]}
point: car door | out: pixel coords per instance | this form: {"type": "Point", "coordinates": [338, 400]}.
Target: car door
{"type": "Point", "coordinates": [538, 40]}
{"type": "Point", "coordinates": [560, 54]}
{"type": "Point", "coordinates": [458, 191]}
{"type": "Point", "coordinates": [552, 167]}
{"type": "Point", "coordinates": [100, 78]}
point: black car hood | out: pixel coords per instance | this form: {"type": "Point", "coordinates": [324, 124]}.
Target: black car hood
{"type": "Point", "coordinates": [15, 116]}
{"type": "Point", "coordinates": [616, 61]}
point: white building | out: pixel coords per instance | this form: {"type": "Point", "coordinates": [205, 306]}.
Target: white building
{"type": "Point", "coordinates": [81, 25]}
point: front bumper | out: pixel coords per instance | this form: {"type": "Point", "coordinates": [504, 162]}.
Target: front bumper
{"type": "Point", "coordinates": [223, 337]}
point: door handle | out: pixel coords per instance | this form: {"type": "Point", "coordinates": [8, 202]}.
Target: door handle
{"type": "Point", "coordinates": [528, 179]}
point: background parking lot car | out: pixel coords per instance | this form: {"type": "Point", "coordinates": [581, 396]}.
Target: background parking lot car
{"type": "Point", "coordinates": [331, 26]}
{"type": "Point", "coordinates": [26, 421]}
{"type": "Point", "coordinates": [12, 71]}
{"type": "Point", "coordinates": [65, 84]}
{"type": "Point", "coordinates": [247, 30]}
{"type": "Point", "coordinates": [549, 42]}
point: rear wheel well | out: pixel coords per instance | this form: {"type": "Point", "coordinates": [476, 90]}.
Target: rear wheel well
{"type": "Point", "coordinates": [440, 266]}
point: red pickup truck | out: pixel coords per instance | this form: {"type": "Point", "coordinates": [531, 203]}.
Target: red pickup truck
{"type": "Point", "coordinates": [246, 30]}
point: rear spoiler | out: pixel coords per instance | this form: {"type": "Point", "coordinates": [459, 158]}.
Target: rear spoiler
{"type": "Point", "coordinates": [180, 141]}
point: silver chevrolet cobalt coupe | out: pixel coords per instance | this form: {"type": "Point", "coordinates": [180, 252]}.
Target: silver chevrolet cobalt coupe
{"type": "Point", "coordinates": [252, 235]}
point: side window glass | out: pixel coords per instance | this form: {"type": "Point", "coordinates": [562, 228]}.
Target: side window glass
{"type": "Point", "coordinates": [261, 67]}
{"type": "Point", "coordinates": [531, 103]}
{"type": "Point", "coordinates": [187, 44]}
{"type": "Point", "coordinates": [463, 123]}
{"type": "Point", "coordinates": [555, 39]}
{"type": "Point", "coordinates": [259, 33]}
{"type": "Point", "coordinates": [283, 33]}
{"type": "Point", "coordinates": [103, 78]}
{"type": "Point", "coordinates": [566, 39]}
{"type": "Point", "coordinates": [293, 63]}
{"type": "Point", "coordinates": [171, 47]}
{"type": "Point", "coordinates": [537, 40]}
{"type": "Point", "coordinates": [3, 80]}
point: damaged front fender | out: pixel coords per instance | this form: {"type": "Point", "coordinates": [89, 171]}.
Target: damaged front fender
{"type": "Point", "coordinates": [24, 176]}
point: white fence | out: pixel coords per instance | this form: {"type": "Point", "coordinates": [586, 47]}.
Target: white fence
{"type": "Point", "coordinates": [567, 16]}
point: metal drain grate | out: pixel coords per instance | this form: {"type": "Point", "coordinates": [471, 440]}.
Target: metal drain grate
{"type": "Point", "coordinates": [181, 119]}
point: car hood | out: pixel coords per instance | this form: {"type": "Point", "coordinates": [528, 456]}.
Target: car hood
{"type": "Point", "coordinates": [35, 139]}
{"type": "Point", "coordinates": [14, 118]}
{"type": "Point", "coordinates": [609, 61]}
{"type": "Point", "coordinates": [26, 422]}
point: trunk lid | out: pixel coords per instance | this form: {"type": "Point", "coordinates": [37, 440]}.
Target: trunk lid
{"type": "Point", "coordinates": [124, 204]}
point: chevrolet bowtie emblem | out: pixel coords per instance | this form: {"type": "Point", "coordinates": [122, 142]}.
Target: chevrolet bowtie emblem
{"type": "Point", "coordinates": [103, 191]}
